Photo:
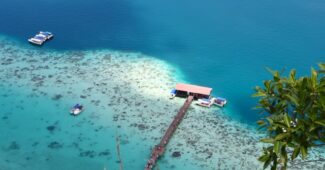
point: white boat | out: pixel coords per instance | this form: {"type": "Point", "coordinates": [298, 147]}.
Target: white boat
{"type": "Point", "coordinates": [77, 109]}
{"type": "Point", "coordinates": [40, 38]}
{"type": "Point", "coordinates": [47, 34]}
{"type": "Point", "coordinates": [172, 94]}
{"type": "Point", "coordinates": [219, 101]}
{"type": "Point", "coordinates": [204, 102]}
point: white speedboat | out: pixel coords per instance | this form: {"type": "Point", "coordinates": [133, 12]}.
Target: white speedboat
{"type": "Point", "coordinates": [219, 101]}
{"type": "Point", "coordinates": [76, 109]}
{"type": "Point", "coordinates": [204, 102]}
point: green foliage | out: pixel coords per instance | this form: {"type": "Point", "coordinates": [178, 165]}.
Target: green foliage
{"type": "Point", "coordinates": [293, 115]}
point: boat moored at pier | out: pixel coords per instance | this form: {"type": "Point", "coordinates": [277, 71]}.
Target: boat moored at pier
{"type": "Point", "coordinates": [200, 93]}
{"type": "Point", "coordinates": [219, 101]}
{"type": "Point", "coordinates": [172, 94]}
{"type": "Point", "coordinates": [204, 102]}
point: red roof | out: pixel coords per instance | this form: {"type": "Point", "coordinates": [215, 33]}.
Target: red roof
{"type": "Point", "coordinates": [194, 89]}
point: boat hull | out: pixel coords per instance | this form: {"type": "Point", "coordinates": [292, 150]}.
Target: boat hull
{"type": "Point", "coordinates": [75, 112]}
{"type": "Point", "coordinates": [36, 42]}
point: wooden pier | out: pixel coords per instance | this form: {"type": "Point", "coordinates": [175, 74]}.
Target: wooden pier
{"type": "Point", "coordinates": [159, 149]}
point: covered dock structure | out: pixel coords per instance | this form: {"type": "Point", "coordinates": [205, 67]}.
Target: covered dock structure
{"type": "Point", "coordinates": [198, 92]}
{"type": "Point", "coordinates": [181, 90]}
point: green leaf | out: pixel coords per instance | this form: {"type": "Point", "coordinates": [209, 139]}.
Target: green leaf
{"type": "Point", "coordinates": [270, 70]}
{"type": "Point", "coordinates": [284, 155]}
{"type": "Point", "coordinates": [276, 74]}
{"type": "Point", "coordinates": [303, 151]}
{"type": "Point", "coordinates": [320, 122]}
{"type": "Point", "coordinates": [312, 127]}
{"type": "Point", "coordinates": [277, 147]}
{"type": "Point", "coordinates": [314, 76]}
{"type": "Point", "coordinates": [259, 94]}
{"type": "Point", "coordinates": [259, 107]}
{"type": "Point", "coordinates": [293, 75]}
{"type": "Point", "coordinates": [282, 136]}
{"type": "Point", "coordinates": [321, 66]}
{"type": "Point", "coordinates": [267, 140]}
{"type": "Point", "coordinates": [287, 120]}
{"type": "Point", "coordinates": [280, 124]}
{"type": "Point", "coordinates": [275, 164]}
{"type": "Point", "coordinates": [269, 120]}
{"type": "Point", "coordinates": [264, 158]}
{"type": "Point", "coordinates": [295, 153]}
{"type": "Point", "coordinates": [267, 163]}
{"type": "Point", "coordinates": [267, 85]}
{"type": "Point", "coordinates": [293, 99]}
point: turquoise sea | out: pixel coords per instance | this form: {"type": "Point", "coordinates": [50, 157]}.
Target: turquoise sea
{"type": "Point", "coordinates": [226, 45]}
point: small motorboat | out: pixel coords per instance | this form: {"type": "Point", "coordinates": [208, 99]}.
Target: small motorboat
{"type": "Point", "coordinates": [76, 109]}
{"type": "Point", "coordinates": [40, 38]}
{"type": "Point", "coordinates": [204, 102]}
{"type": "Point", "coordinates": [172, 94]}
{"type": "Point", "coordinates": [219, 101]}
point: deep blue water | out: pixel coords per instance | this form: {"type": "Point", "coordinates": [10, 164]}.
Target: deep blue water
{"type": "Point", "coordinates": [223, 44]}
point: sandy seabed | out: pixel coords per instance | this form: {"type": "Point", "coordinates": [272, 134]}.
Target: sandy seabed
{"type": "Point", "coordinates": [126, 95]}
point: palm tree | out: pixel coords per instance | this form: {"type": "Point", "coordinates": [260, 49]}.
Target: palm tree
{"type": "Point", "coordinates": [293, 111]}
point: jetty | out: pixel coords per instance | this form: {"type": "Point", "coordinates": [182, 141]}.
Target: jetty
{"type": "Point", "coordinates": [182, 90]}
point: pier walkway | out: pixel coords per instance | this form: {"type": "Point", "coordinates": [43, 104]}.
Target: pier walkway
{"type": "Point", "coordinates": [160, 148]}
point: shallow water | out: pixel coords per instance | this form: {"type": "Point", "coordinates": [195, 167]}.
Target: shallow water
{"type": "Point", "coordinates": [121, 96]}
{"type": "Point", "coordinates": [39, 88]}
